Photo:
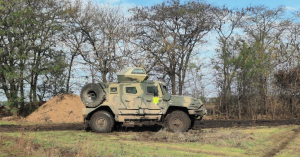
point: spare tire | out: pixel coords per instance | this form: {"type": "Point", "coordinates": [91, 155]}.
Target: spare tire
{"type": "Point", "coordinates": [92, 95]}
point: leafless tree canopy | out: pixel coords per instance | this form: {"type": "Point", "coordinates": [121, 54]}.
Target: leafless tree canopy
{"type": "Point", "coordinates": [47, 45]}
{"type": "Point", "coordinates": [168, 33]}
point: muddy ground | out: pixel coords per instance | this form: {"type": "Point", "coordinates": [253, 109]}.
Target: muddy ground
{"type": "Point", "coordinates": [138, 127]}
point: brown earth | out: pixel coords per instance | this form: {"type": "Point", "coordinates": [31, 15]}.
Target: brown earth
{"type": "Point", "coordinates": [64, 108]}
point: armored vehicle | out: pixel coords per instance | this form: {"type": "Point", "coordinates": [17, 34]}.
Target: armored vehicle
{"type": "Point", "coordinates": [135, 98]}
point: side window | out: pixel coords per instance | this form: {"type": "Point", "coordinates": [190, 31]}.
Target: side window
{"type": "Point", "coordinates": [113, 90]}
{"type": "Point", "coordinates": [150, 90]}
{"type": "Point", "coordinates": [131, 90]}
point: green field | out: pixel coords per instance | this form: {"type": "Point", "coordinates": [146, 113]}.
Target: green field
{"type": "Point", "coordinates": [250, 141]}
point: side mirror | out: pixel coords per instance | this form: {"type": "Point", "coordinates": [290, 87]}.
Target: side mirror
{"type": "Point", "coordinates": [166, 97]}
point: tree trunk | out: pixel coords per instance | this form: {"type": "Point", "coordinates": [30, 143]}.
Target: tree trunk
{"type": "Point", "coordinates": [69, 73]}
{"type": "Point", "coordinates": [103, 74]}
{"type": "Point", "coordinates": [173, 82]}
{"type": "Point", "coordinates": [239, 109]}
{"type": "Point", "coordinates": [180, 84]}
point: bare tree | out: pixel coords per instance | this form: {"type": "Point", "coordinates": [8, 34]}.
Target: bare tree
{"type": "Point", "coordinates": [227, 25]}
{"type": "Point", "coordinates": [103, 29]}
{"type": "Point", "coordinates": [287, 75]}
{"type": "Point", "coordinates": [168, 33]}
{"type": "Point", "coordinates": [73, 39]}
{"type": "Point", "coordinates": [264, 28]}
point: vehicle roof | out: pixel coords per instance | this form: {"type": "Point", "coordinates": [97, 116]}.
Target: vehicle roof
{"type": "Point", "coordinates": [132, 74]}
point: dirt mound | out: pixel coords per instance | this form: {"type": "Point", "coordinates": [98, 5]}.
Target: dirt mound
{"type": "Point", "coordinates": [63, 108]}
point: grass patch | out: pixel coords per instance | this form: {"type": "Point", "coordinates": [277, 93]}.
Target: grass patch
{"type": "Point", "coordinates": [4, 122]}
{"type": "Point", "coordinates": [253, 141]}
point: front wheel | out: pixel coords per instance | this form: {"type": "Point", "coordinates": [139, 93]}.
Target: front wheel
{"type": "Point", "coordinates": [178, 121]}
{"type": "Point", "coordinates": [102, 121]}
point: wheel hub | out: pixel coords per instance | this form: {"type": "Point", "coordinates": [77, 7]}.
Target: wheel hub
{"type": "Point", "coordinates": [177, 123]}
{"type": "Point", "coordinates": [92, 95]}
{"type": "Point", "coordinates": [101, 122]}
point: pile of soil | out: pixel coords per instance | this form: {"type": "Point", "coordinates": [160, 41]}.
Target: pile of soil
{"type": "Point", "coordinates": [65, 108]}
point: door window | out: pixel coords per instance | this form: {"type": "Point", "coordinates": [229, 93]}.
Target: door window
{"type": "Point", "coordinates": [131, 90]}
{"type": "Point", "coordinates": [150, 90]}
{"type": "Point", "coordinates": [113, 90]}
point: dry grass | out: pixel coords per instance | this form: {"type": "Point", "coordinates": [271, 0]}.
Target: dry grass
{"type": "Point", "coordinates": [28, 145]}
{"type": "Point", "coordinates": [292, 149]}
{"type": "Point", "coordinates": [252, 141]}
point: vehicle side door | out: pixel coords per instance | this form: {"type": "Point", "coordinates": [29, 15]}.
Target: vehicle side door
{"type": "Point", "coordinates": [131, 96]}
{"type": "Point", "coordinates": [149, 94]}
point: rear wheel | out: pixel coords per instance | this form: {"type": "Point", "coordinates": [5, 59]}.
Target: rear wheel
{"type": "Point", "coordinates": [102, 121]}
{"type": "Point", "coordinates": [178, 121]}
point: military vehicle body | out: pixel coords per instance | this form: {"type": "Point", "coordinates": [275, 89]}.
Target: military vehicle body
{"type": "Point", "coordinates": [135, 98]}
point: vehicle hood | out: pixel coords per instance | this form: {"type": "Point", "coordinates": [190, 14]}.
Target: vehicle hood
{"type": "Point", "coordinates": [185, 101]}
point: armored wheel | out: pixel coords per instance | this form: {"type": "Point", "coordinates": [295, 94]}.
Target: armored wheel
{"type": "Point", "coordinates": [178, 121]}
{"type": "Point", "coordinates": [92, 95]}
{"type": "Point", "coordinates": [102, 121]}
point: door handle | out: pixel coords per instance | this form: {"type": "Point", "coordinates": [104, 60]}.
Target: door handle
{"type": "Point", "coordinates": [148, 100]}
{"type": "Point", "coordinates": [127, 101]}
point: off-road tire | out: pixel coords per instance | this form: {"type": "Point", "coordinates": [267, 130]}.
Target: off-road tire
{"type": "Point", "coordinates": [92, 95]}
{"type": "Point", "coordinates": [177, 121]}
{"type": "Point", "coordinates": [102, 121]}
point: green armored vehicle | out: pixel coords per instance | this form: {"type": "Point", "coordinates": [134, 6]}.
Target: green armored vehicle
{"type": "Point", "coordinates": [135, 98]}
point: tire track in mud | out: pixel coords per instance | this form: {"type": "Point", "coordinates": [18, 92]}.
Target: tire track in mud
{"type": "Point", "coordinates": [140, 127]}
{"type": "Point", "coordinates": [283, 144]}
